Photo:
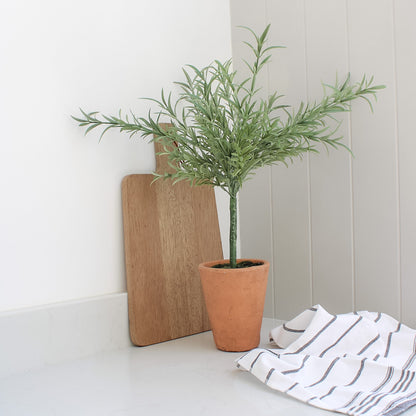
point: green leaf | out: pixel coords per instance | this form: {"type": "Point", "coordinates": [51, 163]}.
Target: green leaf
{"type": "Point", "coordinates": [222, 130]}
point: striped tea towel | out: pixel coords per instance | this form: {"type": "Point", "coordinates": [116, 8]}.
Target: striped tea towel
{"type": "Point", "coordinates": [361, 363]}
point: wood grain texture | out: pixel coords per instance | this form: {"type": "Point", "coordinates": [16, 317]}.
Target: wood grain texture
{"type": "Point", "coordinates": [168, 230]}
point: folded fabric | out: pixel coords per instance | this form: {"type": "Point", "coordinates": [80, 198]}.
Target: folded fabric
{"type": "Point", "coordinates": [361, 363]}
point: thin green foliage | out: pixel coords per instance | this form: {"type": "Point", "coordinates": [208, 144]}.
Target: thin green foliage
{"type": "Point", "coordinates": [222, 131]}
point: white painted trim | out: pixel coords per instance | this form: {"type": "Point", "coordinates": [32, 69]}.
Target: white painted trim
{"type": "Point", "coordinates": [34, 338]}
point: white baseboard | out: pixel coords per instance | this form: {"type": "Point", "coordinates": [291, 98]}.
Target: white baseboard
{"type": "Point", "coordinates": [33, 338]}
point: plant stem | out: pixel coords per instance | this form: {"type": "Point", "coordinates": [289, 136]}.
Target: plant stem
{"type": "Point", "coordinates": [233, 230]}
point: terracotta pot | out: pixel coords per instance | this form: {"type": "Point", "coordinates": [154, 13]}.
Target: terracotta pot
{"type": "Point", "coordinates": [235, 302]}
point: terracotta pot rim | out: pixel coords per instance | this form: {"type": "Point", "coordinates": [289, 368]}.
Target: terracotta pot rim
{"type": "Point", "coordinates": [209, 264]}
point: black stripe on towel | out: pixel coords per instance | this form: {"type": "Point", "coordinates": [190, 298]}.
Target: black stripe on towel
{"type": "Point", "coordinates": [400, 387]}
{"type": "Point", "coordinates": [389, 409]}
{"type": "Point", "coordinates": [315, 336]}
{"type": "Point", "coordinates": [386, 379]}
{"type": "Point", "coordinates": [286, 328]}
{"type": "Point", "coordinates": [272, 352]}
{"type": "Point", "coordinates": [409, 382]}
{"type": "Point", "coordinates": [360, 370]}
{"type": "Point", "coordinates": [329, 392]}
{"type": "Point", "coordinates": [388, 344]}
{"type": "Point", "coordinates": [392, 390]}
{"type": "Point", "coordinates": [269, 374]}
{"type": "Point", "coordinates": [340, 338]}
{"type": "Point", "coordinates": [369, 344]}
{"type": "Point", "coordinates": [350, 402]}
{"type": "Point", "coordinates": [369, 397]}
{"type": "Point", "coordinates": [374, 399]}
{"type": "Point", "coordinates": [399, 409]}
{"type": "Point", "coordinates": [243, 356]}
{"type": "Point", "coordinates": [412, 356]}
{"type": "Point", "coordinates": [255, 360]}
{"type": "Point", "coordinates": [389, 339]}
{"type": "Point", "coordinates": [331, 366]}
{"type": "Point", "coordinates": [374, 402]}
{"type": "Point", "coordinates": [297, 369]}
{"type": "Point", "coordinates": [291, 387]}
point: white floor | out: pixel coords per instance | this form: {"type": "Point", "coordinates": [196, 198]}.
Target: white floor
{"type": "Point", "coordinates": [184, 377]}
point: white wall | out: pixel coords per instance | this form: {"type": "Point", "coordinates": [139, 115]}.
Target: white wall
{"type": "Point", "coordinates": [340, 231]}
{"type": "Point", "coordinates": [60, 211]}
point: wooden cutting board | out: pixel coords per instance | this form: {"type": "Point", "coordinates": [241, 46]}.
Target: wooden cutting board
{"type": "Point", "coordinates": [168, 230]}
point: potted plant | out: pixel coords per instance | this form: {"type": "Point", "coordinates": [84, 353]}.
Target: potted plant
{"type": "Point", "coordinates": [220, 133]}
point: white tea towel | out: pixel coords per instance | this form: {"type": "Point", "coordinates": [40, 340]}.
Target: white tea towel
{"type": "Point", "coordinates": [361, 363]}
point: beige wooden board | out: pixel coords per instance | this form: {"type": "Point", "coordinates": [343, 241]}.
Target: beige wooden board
{"type": "Point", "coordinates": [168, 230]}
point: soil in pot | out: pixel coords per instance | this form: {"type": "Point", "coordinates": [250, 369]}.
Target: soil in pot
{"type": "Point", "coordinates": [240, 265]}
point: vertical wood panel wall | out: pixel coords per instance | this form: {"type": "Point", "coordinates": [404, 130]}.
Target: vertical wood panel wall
{"type": "Point", "coordinates": [339, 230]}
